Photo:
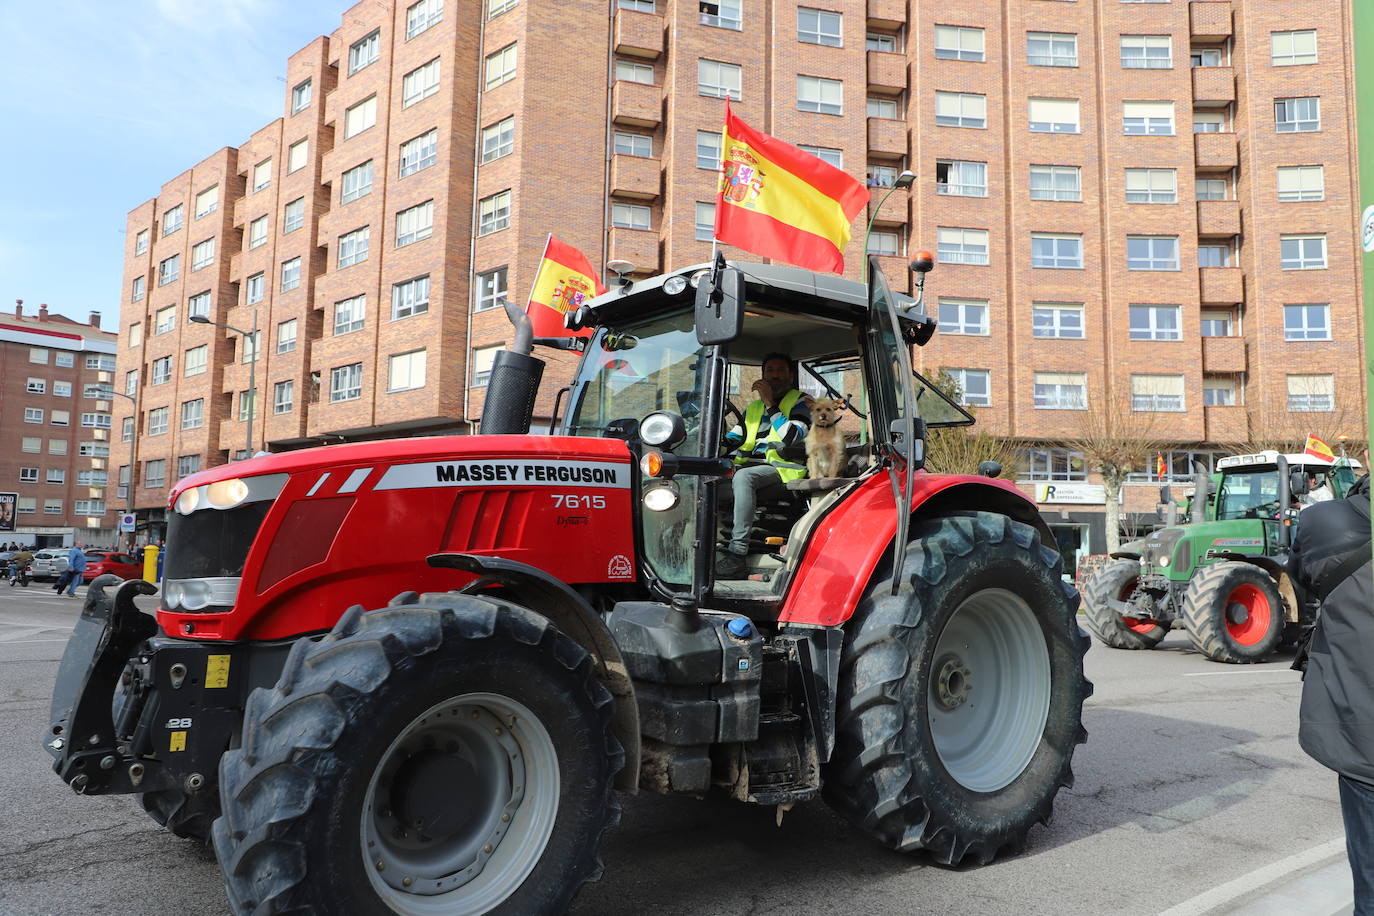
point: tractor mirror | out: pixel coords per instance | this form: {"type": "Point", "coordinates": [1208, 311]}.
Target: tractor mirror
{"type": "Point", "coordinates": [720, 306]}
{"type": "Point", "coordinates": [916, 453]}
{"type": "Point", "coordinates": [1297, 483]}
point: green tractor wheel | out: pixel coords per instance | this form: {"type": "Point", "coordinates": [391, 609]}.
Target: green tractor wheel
{"type": "Point", "coordinates": [1234, 612]}
{"type": "Point", "coordinates": [1105, 600]}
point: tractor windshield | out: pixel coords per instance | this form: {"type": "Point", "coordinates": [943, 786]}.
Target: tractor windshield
{"type": "Point", "coordinates": [1249, 494]}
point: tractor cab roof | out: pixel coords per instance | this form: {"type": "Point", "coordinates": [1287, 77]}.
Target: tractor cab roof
{"type": "Point", "coordinates": [1270, 458]}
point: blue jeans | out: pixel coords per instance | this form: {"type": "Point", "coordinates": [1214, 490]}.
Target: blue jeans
{"type": "Point", "coordinates": [1357, 808]}
{"type": "Point", "coordinates": [751, 485]}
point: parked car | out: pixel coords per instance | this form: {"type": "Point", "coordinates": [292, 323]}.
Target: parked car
{"type": "Point", "coordinates": [124, 565]}
{"type": "Point", "coordinates": [49, 564]}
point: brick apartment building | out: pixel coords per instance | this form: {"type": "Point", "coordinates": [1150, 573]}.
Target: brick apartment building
{"type": "Point", "coordinates": [55, 375]}
{"type": "Point", "coordinates": [1152, 201]}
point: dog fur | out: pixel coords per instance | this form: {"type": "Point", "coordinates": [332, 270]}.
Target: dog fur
{"type": "Point", "coordinates": [825, 455]}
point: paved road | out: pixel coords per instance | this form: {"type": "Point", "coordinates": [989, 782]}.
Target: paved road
{"type": "Point", "coordinates": [1191, 779]}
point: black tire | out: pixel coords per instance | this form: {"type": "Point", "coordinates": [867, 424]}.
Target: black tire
{"type": "Point", "coordinates": [187, 816]}
{"type": "Point", "coordinates": [1116, 581]}
{"type": "Point", "coordinates": [887, 773]}
{"type": "Point", "coordinates": [294, 796]}
{"type": "Point", "coordinates": [1234, 612]}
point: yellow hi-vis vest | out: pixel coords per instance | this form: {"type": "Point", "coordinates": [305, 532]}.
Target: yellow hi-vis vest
{"type": "Point", "coordinates": [753, 415]}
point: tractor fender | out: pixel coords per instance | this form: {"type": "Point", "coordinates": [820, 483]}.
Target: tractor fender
{"type": "Point", "coordinates": [1131, 550]}
{"type": "Point", "coordinates": [544, 594]}
{"type": "Point", "coordinates": [856, 535]}
{"type": "Point", "coordinates": [1124, 555]}
{"type": "Point", "coordinates": [1291, 605]}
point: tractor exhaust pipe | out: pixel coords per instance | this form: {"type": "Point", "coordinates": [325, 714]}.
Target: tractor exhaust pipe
{"type": "Point", "coordinates": [514, 382]}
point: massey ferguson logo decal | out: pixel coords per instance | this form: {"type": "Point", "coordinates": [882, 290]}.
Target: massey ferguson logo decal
{"type": "Point", "coordinates": [512, 472]}
{"type": "Point", "coordinates": [619, 567]}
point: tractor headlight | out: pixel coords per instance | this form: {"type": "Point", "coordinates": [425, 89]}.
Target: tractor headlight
{"type": "Point", "coordinates": [662, 497]}
{"type": "Point", "coordinates": [188, 501]}
{"type": "Point", "coordinates": [226, 494]}
{"type": "Point", "coordinates": [662, 429]}
{"type": "Point", "coordinates": [674, 285]}
{"type": "Point", "coordinates": [1164, 561]}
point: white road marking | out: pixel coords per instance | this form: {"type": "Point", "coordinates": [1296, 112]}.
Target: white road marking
{"type": "Point", "coordinates": [1240, 673]}
{"type": "Point", "coordinates": [1256, 880]}
{"type": "Point", "coordinates": [27, 642]}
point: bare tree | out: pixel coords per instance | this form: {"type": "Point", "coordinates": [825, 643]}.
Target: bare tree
{"type": "Point", "coordinates": [961, 449]}
{"type": "Point", "coordinates": [1270, 425]}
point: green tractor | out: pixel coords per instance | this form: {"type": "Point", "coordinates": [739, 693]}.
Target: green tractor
{"type": "Point", "coordinates": [1221, 575]}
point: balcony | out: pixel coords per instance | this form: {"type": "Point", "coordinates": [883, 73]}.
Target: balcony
{"type": "Point", "coordinates": [1225, 424]}
{"type": "Point", "coordinates": [887, 71]}
{"type": "Point", "coordinates": [1224, 354]}
{"type": "Point", "coordinates": [887, 137]}
{"type": "Point", "coordinates": [1215, 151]}
{"type": "Point", "coordinates": [887, 14]}
{"type": "Point", "coordinates": [635, 176]}
{"type": "Point", "coordinates": [638, 34]}
{"type": "Point", "coordinates": [1222, 285]}
{"type": "Point", "coordinates": [1218, 218]}
{"type": "Point", "coordinates": [1210, 20]}
{"type": "Point", "coordinates": [636, 104]}
{"type": "Point", "coordinates": [638, 246]}
{"type": "Point", "coordinates": [1214, 84]}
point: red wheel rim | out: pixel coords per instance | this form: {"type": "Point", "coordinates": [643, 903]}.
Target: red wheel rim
{"type": "Point", "coordinates": [1248, 614]}
{"type": "Point", "coordinates": [1142, 625]}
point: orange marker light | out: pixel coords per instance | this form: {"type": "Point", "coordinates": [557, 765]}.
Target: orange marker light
{"type": "Point", "coordinates": [651, 464]}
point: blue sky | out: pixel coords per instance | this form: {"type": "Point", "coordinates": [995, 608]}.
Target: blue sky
{"type": "Point", "coordinates": [103, 101]}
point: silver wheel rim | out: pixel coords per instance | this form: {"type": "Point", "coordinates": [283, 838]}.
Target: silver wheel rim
{"type": "Point", "coordinates": [460, 807]}
{"type": "Point", "coordinates": [989, 694]}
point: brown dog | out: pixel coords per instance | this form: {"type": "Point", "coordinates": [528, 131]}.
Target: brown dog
{"type": "Point", "coordinates": [825, 443]}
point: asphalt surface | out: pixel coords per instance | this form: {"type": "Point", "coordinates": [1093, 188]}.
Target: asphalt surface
{"type": "Point", "coordinates": [1191, 795]}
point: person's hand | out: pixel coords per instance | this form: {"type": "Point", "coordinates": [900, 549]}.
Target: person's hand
{"type": "Point", "coordinates": [765, 393]}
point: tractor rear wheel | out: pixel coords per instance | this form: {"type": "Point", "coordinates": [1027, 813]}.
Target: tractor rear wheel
{"type": "Point", "coordinates": [960, 698]}
{"type": "Point", "coordinates": [1234, 612]}
{"type": "Point", "coordinates": [416, 761]}
{"type": "Point", "coordinates": [1116, 582]}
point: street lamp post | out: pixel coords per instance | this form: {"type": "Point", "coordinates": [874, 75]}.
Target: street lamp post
{"type": "Point", "coordinates": [250, 337]}
{"type": "Point", "coordinates": [904, 180]}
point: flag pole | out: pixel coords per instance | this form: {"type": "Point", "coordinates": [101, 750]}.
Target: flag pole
{"type": "Point", "coordinates": [538, 271]}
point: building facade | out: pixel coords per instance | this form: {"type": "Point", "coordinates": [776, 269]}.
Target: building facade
{"type": "Point", "coordinates": [1144, 204]}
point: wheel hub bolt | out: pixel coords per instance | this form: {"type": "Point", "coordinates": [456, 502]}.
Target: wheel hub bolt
{"type": "Point", "coordinates": [487, 848]}
{"type": "Point", "coordinates": [505, 818]}
{"type": "Point", "coordinates": [407, 881]}
{"type": "Point", "coordinates": [381, 866]}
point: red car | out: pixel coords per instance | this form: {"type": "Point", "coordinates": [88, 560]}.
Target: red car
{"type": "Point", "coordinates": [124, 565]}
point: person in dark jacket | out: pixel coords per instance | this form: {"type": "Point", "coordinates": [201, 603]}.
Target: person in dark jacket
{"type": "Point", "coordinates": [1331, 559]}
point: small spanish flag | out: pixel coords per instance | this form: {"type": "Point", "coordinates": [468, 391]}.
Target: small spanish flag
{"type": "Point", "coordinates": [564, 281]}
{"type": "Point", "coordinates": [1161, 469]}
{"type": "Point", "coordinates": [780, 202]}
{"type": "Point", "coordinates": [1318, 449]}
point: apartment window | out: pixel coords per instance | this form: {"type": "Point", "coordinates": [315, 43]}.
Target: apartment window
{"type": "Point", "coordinates": [961, 246]}
{"type": "Point", "coordinates": [630, 216]}
{"type": "Point", "coordinates": [1157, 392]}
{"type": "Point", "coordinates": [410, 297]}
{"type": "Point", "coordinates": [283, 397]}
{"type": "Point", "coordinates": [193, 414]}
{"type": "Point", "coordinates": [162, 370]}
{"type": "Point", "coordinates": [958, 43]}
{"type": "Point", "coordinates": [165, 319]}
{"type": "Point", "coordinates": [1151, 186]}
{"type": "Point", "coordinates": [882, 41]}
{"type": "Point", "coordinates": [248, 404]}
{"type": "Point", "coordinates": [1209, 122]}
{"type": "Point", "coordinates": [195, 360]}
{"type": "Point", "coordinates": [1302, 252]}
{"type": "Point", "coordinates": [157, 421]}
{"type": "Point", "coordinates": [52, 507]}
{"type": "Point", "coordinates": [290, 274]}
{"type": "Point", "coordinates": [139, 288]}
{"type": "Point", "coordinates": [135, 339]}
{"type": "Point", "coordinates": [33, 415]}
{"type": "Point", "coordinates": [500, 67]}
{"type": "Point", "coordinates": [126, 428]}
{"type": "Point", "coordinates": [406, 371]}
{"type": "Point", "coordinates": [1147, 52]}
{"type": "Point", "coordinates": [172, 219]}
{"type": "Point", "coordinates": [1206, 57]}
{"type": "Point", "coordinates": [961, 109]}
{"type": "Point", "coordinates": [1054, 464]}
{"type": "Point", "coordinates": [704, 222]}
{"type": "Point", "coordinates": [497, 7]}
{"type": "Point", "coordinates": [1218, 392]}
{"type": "Point", "coordinates": [360, 117]}
{"type": "Point", "coordinates": [1217, 323]}
{"type": "Point", "coordinates": [964, 316]}
{"type": "Point", "coordinates": [57, 475]}
{"type": "Point", "coordinates": [60, 418]}
{"type": "Point", "coordinates": [202, 254]}
{"type": "Point", "coordinates": [64, 360]}
{"type": "Point", "coordinates": [482, 359]}
{"type": "Point", "coordinates": [1060, 390]}
{"type": "Point", "coordinates": [64, 390]}
{"type": "Point", "coordinates": [99, 421]}
{"type": "Point", "coordinates": [1293, 116]}
{"type": "Point", "coordinates": [628, 144]}
{"type": "Point", "coordinates": [415, 223]}
{"type": "Point", "coordinates": [1155, 322]}
{"type": "Point", "coordinates": [92, 478]}
{"type": "Point", "coordinates": [961, 179]}
{"type": "Point", "coordinates": [884, 175]}
{"type": "Point", "coordinates": [253, 289]}
{"type": "Point", "coordinates": [1051, 49]}
{"type": "Point", "coordinates": [353, 246]}
{"type": "Point", "coordinates": [349, 315]}
{"type": "Point", "coordinates": [32, 444]}
{"type": "Point", "coordinates": [820, 27]}
{"type": "Point", "coordinates": [826, 154]}
{"type": "Point", "coordinates": [1311, 393]}
{"type": "Point", "coordinates": [297, 155]}
{"type": "Point", "coordinates": [1290, 49]}
{"type": "Point", "coordinates": [723, 14]}
{"type": "Point", "coordinates": [1056, 251]}
{"type": "Point", "coordinates": [886, 242]}
{"type": "Point", "coordinates": [262, 175]}
{"type": "Point", "coordinates": [28, 475]}
{"type": "Point", "coordinates": [634, 72]}
{"type": "Point", "coordinates": [187, 465]}
{"type": "Point", "coordinates": [718, 80]}
{"type": "Point", "coordinates": [293, 216]}
{"type": "Point", "coordinates": [498, 140]}
{"type": "Point", "coordinates": [1214, 256]}
{"type": "Point", "coordinates": [300, 96]}
{"type": "Point", "coordinates": [141, 242]}
{"type": "Point", "coordinates": [198, 305]}
{"type": "Point", "coordinates": [1301, 182]}
{"type": "Point", "coordinates": [420, 83]}
{"type": "Point", "coordinates": [364, 51]}
{"type": "Point", "coordinates": [490, 289]}
{"type": "Point", "coordinates": [1148, 119]}
{"type": "Point", "coordinates": [1210, 188]}
{"type": "Point", "coordinates": [883, 108]}
{"type": "Point", "coordinates": [417, 154]}
{"type": "Point", "coordinates": [1056, 182]}
{"type": "Point", "coordinates": [493, 213]}
{"type": "Point", "coordinates": [357, 181]}
{"type": "Point", "coordinates": [286, 335]}
{"type": "Point", "coordinates": [1307, 322]}
{"type": "Point", "coordinates": [346, 383]}
{"type": "Point", "coordinates": [425, 13]}
{"type": "Point", "coordinates": [37, 386]}
{"type": "Point", "coordinates": [93, 450]}
{"type": "Point", "coordinates": [155, 473]}
{"type": "Point", "coordinates": [1053, 116]}
{"type": "Point", "coordinates": [169, 270]}
{"type": "Point", "coordinates": [708, 150]}
{"type": "Point", "coordinates": [975, 386]}
{"type": "Point", "coordinates": [207, 201]}
{"type": "Point", "coordinates": [257, 232]}
{"type": "Point", "coordinates": [92, 391]}
{"type": "Point", "coordinates": [1152, 252]}
{"type": "Point", "coordinates": [1057, 320]}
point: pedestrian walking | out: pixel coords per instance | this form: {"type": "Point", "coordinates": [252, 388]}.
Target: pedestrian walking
{"type": "Point", "coordinates": [76, 565]}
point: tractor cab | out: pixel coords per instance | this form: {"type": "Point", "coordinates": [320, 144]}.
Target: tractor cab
{"type": "Point", "coordinates": [1262, 484]}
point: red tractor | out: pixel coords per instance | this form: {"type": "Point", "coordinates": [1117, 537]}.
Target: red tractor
{"type": "Point", "coordinates": [410, 676]}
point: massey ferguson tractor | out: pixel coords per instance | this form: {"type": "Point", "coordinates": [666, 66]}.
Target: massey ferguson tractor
{"type": "Point", "coordinates": [412, 676]}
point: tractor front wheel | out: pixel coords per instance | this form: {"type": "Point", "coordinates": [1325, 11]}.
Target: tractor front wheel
{"type": "Point", "coordinates": [1234, 612]}
{"type": "Point", "coordinates": [416, 761]}
{"type": "Point", "coordinates": [1116, 581]}
{"type": "Point", "coordinates": [960, 698]}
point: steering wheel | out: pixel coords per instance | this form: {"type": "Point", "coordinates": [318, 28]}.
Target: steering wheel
{"type": "Point", "coordinates": [1265, 510]}
{"type": "Point", "coordinates": [732, 410]}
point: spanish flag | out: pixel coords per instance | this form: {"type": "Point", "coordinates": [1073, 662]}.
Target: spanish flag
{"type": "Point", "coordinates": [779, 202]}
{"type": "Point", "coordinates": [1318, 449]}
{"type": "Point", "coordinates": [1161, 469]}
{"type": "Point", "coordinates": [565, 280]}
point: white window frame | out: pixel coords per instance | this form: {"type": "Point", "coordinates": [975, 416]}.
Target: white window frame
{"type": "Point", "coordinates": [1298, 324]}
{"type": "Point", "coordinates": [350, 315]}
{"type": "Point", "coordinates": [1149, 394]}
{"type": "Point", "coordinates": [364, 52]}
{"type": "Point", "coordinates": [499, 67]}
{"type": "Point", "coordinates": [1047, 115]}
{"type": "Point", "coordinates": [423, 14]}
{"type": "Point", "coordinates": [955, 42]}
{"type": "Point", "coordinates": [1059, 390]}
{"type": "Point", "coordinates": [718, 79]}
{"type": "Point", "coordinates": [1051, 49]}
{"type": "Point", "coordinates": [353, 247]}
{"type": "Point", "coordinates": [1147, 52]}
{"type": "Point", "coordinates": [1151, 259]}
{"type": "Point", "coordinates": [1291, 48]}
{"type": "Point", "coordinates": [193, 414]}
{"type": "Point", "coordinates": [961, 109]}
{"type": "Point", "coordinates": [283, 397]}
{"type": "Point", "coordinates": [963, 178]}
{"type": "Point", "coordinates": [195, 361]}
{"type": "Point", "coordinates": [412, 369]}
{"type": "Point", "coordinates": [1150, 321]}
{"type": "Point", "coordinates": [420, 83]}
{"type": "Point", "coordinates": [300, 96]}
{"type": "Point", "coordinates": [346, 383]}
{"type": "Point", "coordinates": [1147, 119]}
{"type": "Point", "coordinates": [493, 212]}
{"type": "Point", "coordinates": [1051, 190]}
{"type": "Point", "coordinates": [728, 14]}
{"type": "Point", "coordinates": [419, 153]}
{"type": "Point", "coordinates": [410, 297]}
{"type": "Point", "coordinates": [1287, 119]}
{"type": "Point", "coordinates": [257, 232]}
{"type": "Point", "coordinates": [1151, 186]}
{"type": "Point", "coordinates": [631, 216]}
{"type": "Point", "coordinates": [960, 245]}
{"type": "Point", "coordinates": [1311, 393]}
{"type": "Point", "coordinates": [490, 289]}
{"type": "Point", "coordinates": [157, 422]}
{"type": "Point", "coordinates": [704, 220]}
{"type": "Point", "coordinates": [1294, 252]}
{"type": "Point", "coordinates": [820, 27]}
{"type": "Point", "coordinates": [287, 333]}
{"type": "Point", "coordinates": [1058, 259]}
{"type": "Point", "coordinates": [968, 398]}
{"type": "Point", "coordinates": [415, 224]}
{"type": "Point", "coordinates": [1048, 321]}
{"type": "Point", "coordinates": [498, 139]}
{"type": "Point", "coordinates": [360, 117]}
{"type": "Point", "coordinates": [1295, 183]}
{"type": "Point", "coordinates": [355, 182]}
{"type": "Point", "coordinates": [293, 215]}
{"type": "Point", "coordinates": [207, 201]}
{"type": "Point", "coordinates": [298, 155]}
{"type": "Point", "coordinates": [964, 317]}
{"type": "Point", "coordinates": [290, 274]}
{"type": "Point", "coordinates": [628, 143]}
{"type": "Point", "coordinates": [708, 150]}
{"type": "Point", "coordinates": [481, 362]}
